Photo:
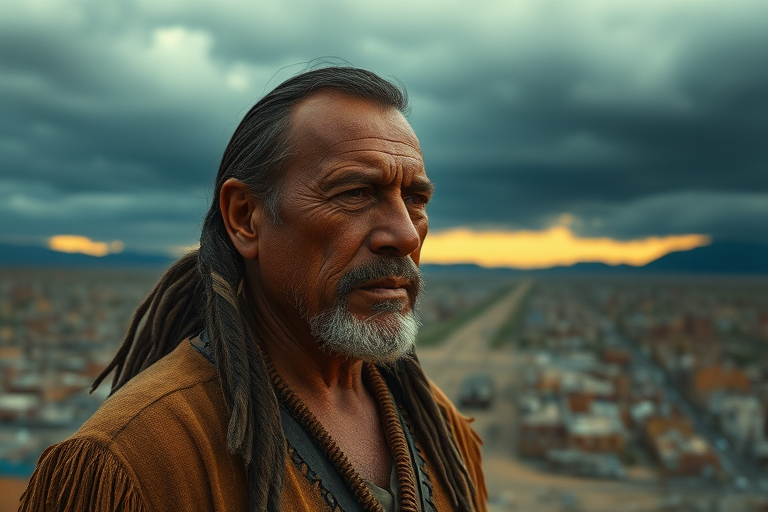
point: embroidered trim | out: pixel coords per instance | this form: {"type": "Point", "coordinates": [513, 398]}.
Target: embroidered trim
{"type": "Point", "coordinates": [425, 481]}
{"type": "Point", "coordinates": [313, 478]}
{"type": "Point", "coordinates": [304, 416]}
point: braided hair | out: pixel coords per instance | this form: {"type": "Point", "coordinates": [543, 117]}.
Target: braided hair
{"type": "Point", "coordinates": [203, 289]}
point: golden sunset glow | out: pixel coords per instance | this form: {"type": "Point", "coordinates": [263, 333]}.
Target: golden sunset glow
{"type": "Point", "coordinates": [83, 245]}
{"type": "Point", "coordinates": [556, 246]}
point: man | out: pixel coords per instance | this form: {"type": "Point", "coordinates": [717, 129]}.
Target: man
{"type": "Point", "coordinates": [274, 369]}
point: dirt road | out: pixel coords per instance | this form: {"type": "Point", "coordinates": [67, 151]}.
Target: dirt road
{"type": "Point", "coordinates": [466, 350]}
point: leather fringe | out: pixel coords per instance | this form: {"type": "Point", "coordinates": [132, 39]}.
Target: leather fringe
{"type": "Point", "coordinates": [102, 481]}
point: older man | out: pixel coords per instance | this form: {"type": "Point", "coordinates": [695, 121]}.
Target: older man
{"type": "Point", "coordinates": [274, 369]}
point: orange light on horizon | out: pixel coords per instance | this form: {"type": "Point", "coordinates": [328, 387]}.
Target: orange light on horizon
{"type": "Point", "coordinates": [556, 246]}
{"type": "Point", "coordinates": [83, 245]}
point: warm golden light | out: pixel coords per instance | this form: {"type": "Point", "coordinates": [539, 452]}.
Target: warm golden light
{"type": "Point", "coordinates": [83, 245]}
{"type": "Point", "coordinates": [556, 246]}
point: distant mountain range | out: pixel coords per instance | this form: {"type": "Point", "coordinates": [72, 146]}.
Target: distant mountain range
{"type": "Point", "coordinates": [717, 258]}
{"type": "Point", "coordinates": [34, 256]}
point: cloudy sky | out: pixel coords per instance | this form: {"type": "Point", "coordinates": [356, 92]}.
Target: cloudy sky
{"type": "Point", "coordinates": [618, 120]}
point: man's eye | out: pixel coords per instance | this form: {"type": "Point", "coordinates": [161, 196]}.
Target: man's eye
{"type": "Point", "coordinates": [356, 193]}
{"type": "Point", "coordinates": [417, 200]}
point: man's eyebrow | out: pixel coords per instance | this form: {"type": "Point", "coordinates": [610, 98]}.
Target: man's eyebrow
{"type": "Point", "coordinates": [422, 186]}
{"type": "Point", "coordinates": [367, 178]}
{"type": "Point", "coordinates": [349, 178]}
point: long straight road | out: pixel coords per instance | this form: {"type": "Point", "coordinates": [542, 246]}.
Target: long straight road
{"type": "Point", "coordinates": [467, 350]}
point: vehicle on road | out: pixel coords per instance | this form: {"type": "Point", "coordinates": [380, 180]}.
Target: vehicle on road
{"type": "Point", "coordinates": [476, 391]}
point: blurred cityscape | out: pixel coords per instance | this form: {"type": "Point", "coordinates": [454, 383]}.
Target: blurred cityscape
{"type": "Point", "coordinates": [58, 331]}
{"type": "Point", "coordinates": [666, 377]}
{"type": "Point", "coordinates": [604, 393]}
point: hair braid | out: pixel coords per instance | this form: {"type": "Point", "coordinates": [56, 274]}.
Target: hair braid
{"type": "Point", "coordinates": [254, 432]}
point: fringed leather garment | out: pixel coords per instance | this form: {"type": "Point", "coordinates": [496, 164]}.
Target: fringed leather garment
{"type": "Point", "coordinates": [159, 444]}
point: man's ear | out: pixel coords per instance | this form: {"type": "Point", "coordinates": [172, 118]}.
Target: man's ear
{"type": "Point", "coordinates": [241, 213]}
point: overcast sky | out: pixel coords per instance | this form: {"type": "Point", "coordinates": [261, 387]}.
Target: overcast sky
{"type": "Point", "coordinates": [637, 118]}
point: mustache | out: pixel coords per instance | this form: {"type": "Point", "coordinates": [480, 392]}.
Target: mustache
{"type": "Point", "coordinates": [380, 268]}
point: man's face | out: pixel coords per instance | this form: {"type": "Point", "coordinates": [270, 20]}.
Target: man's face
{"type": "Point", "coordinates": [353, 218]}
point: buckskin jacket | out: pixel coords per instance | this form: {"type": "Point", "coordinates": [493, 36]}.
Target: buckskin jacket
{"type": "Point", "coordinates": [159, 444]}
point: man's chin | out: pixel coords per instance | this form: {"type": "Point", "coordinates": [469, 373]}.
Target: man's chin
{"type": "Point", "coordinates": [377, 358]}
{"type": "Point", "coordinates": [382, 337]}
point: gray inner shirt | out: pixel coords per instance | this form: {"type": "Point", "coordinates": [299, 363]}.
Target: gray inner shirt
{"type": "Point", "coordinates": [388, 500]}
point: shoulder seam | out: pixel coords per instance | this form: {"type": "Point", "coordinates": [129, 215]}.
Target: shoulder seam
{"type": "Point", "coordinates": [153, 402]}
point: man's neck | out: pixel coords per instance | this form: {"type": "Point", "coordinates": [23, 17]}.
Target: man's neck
{"type": "Point", "coordinates": [331, 387]}
{"type": "Point", "coordinates": [312, 373]}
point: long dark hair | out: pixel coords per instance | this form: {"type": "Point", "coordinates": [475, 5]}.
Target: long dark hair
{"type": "Point", "coordinates": [203, 289]}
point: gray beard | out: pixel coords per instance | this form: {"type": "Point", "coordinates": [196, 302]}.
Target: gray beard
{"type": "Point", "coordinates": [377, 340]}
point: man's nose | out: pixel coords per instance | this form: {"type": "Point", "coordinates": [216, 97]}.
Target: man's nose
{"type": "Point", "coordinates": [394, 233]}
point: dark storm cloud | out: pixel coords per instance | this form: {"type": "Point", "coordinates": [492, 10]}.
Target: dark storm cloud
{"type": "Point", "coordinates": [639, 119]}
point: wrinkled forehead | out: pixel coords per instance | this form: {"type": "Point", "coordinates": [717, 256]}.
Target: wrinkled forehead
{"type": "Point", "coordinates": [332, 121]}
